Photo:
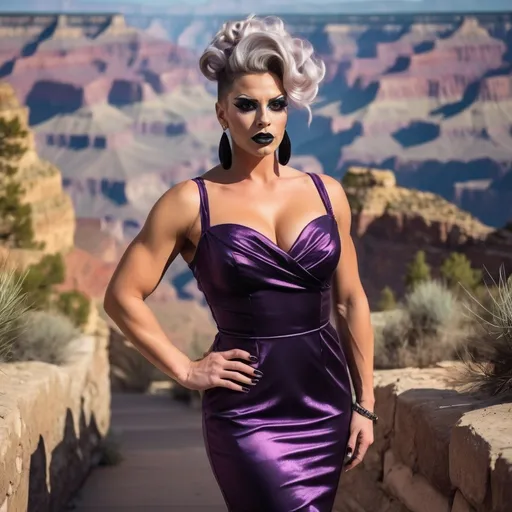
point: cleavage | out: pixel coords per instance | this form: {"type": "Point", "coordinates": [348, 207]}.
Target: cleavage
{"type": "Point", "coordinates": [273, 241]}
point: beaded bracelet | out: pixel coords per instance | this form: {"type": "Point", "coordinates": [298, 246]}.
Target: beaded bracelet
{"type": "Point", "coordinates": [365, 412]}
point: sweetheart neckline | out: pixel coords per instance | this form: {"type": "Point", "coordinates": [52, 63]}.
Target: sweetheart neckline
{"type": "Point", "coordinates": [265, 238]}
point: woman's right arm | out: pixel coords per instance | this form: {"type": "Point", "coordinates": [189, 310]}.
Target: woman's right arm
{"type": "Point", "coordinates": [139, 272]}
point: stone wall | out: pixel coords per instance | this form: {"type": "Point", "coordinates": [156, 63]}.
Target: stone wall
{"type": "Point", "coordinates": [435, 450]}
{"type": "Point", "coordinates": [52, 419]}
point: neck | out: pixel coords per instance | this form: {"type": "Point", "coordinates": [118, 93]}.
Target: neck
{"type": "Point", "coordinates": [255, 168]}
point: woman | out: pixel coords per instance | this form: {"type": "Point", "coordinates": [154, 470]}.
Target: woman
{"type": "Point", "coordinates": [264, 242]}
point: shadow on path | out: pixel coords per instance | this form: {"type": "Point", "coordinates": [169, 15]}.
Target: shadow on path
{"type": "Point", "coordinates": [165, 465]}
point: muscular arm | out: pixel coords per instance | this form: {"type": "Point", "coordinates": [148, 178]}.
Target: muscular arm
{"type": "Point", "coordinates": [352, 311]}
{"type": "Point", "coordinates": [140, 270]}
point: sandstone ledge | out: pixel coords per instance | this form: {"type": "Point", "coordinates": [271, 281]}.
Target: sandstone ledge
{"type": "Point", "coordinates": [434, 450]}
{"type": "Point", "coordinates": [51, 421]}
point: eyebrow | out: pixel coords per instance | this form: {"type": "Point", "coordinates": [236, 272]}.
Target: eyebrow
{"type": "Point", "coordinates": [252, 99]}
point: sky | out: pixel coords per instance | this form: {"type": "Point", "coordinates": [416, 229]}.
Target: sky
{"type": "Point", "coordinates": [311, 6]}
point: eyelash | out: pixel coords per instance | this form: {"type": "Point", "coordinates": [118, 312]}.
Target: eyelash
{"type": "Point", "coordinates": [281, 104]}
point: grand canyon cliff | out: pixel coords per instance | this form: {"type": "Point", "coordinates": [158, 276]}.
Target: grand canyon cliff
{"type": "Point", "coordinates": [119, 106]}
{"type": "Point", "coordinates": [53, 216]}
{"type": "Point", "coordinates": [391, 223]}
{"type": "Point", "coordinates": [428, 97]}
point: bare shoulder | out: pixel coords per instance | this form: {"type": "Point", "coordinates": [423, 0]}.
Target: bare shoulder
{"type": "Point", "coordinates": [184, 194]}
{"type": "Point", "coordinates": [335, 190]}
{"type": "Point", "coordinates": [177, 207]}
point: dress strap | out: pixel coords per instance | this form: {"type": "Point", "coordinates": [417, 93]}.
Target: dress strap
{"type": "Point", "coordinates": [204, 205]}
{"type": "Point", "coordinates": [322, 191]}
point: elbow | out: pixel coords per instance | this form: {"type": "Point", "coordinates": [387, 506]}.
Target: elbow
{"type": "Point", "coordinates": [110, 302]}
{"type": "Point", "coordinates": [115, 301]}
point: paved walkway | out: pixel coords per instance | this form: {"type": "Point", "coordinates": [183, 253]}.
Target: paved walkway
{"type": "Point", "coordinates": [165, 466]}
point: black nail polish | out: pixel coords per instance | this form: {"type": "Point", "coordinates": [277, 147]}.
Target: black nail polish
{"type": "Point", "coordinates": [255, 381]}
{"type": "Point", "coordinates": [253, 358]}
{"type": "Point", "coordinates": [258, 373]}
{"type": "Point", "coordinates": [245, 389]}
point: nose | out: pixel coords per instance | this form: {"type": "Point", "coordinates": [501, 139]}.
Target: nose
{"type": "Point", "coordinates": [263, 119]}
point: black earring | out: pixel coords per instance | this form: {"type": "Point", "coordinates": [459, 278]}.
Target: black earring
{"type": "Point", "coordinates": [285, 149]}
{"type": "Point", "coordinates": [225, 151]}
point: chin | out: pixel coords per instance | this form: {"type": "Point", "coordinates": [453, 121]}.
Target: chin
{"type": "Point", "coordinates": [266, 151]}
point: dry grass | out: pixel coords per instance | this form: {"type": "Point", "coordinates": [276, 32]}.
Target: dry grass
{"type": "Point", "coordinates": [13, 307]}
{"type": "Point", "coordinates": [45, 336]}
{"type": "Point", "coordinates": [488, 357]}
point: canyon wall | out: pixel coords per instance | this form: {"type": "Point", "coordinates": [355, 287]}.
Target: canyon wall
{"type": "Point", "coordinates": [123, 111]}
{"type": "Point", "coordinates": [426, 96]}
{"type": "Point", "coordinates": [391, 223]}
{"type": "Point", "coordinates": [53, 216]}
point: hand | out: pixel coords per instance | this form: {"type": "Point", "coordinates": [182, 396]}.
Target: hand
{"type": "Point", "coordinates": [361, 438]}
{"type": "Point", "coordinates": [216, 368]}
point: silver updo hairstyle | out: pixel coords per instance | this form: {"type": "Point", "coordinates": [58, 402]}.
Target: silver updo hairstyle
{"type": "Point", "coordinates": [259, 45]}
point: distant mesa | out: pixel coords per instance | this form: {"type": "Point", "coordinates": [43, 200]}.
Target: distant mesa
{"type": "Point", "coordinates": [373, 193]}
{"type": "Point", "coordinates": [367, 177]}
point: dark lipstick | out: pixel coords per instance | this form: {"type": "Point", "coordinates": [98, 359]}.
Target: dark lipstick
{"type": "Point", "coordinates": [263, 138]}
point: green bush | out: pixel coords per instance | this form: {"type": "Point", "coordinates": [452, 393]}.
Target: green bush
{"type": "Point", "coordinates": [488, 356]}
{"type": "Point", "coordinates": [75, 305]}
{"type": "Point", "coordinates": [47, 337]}
{"type": "Point", "coordinates": [456, 270]}
{"type": "Point", "coordinates": [387, 300]}
{"type": "Point", "coordinates": [15, 216]}
{"type": "Point", "coordinates": [40, 279]}
{"type": "Point", "coordinates": [418, 271]}
{"type": "Point", "coordinates": [428, 327]}
{"type": "Point", "coordinates": [13, 307]}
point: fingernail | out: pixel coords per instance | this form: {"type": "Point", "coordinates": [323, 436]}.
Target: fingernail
{"type": "Point", "coordinates": [245, 389]}
{"type": "Point", "coordinates": [349, 451]}
{"type": "Point", "coordinates": [253, 358]}
{"type": "Point", "coordinates": [258, 373]}
{"type": "Point", "coordinates": [255, 381]}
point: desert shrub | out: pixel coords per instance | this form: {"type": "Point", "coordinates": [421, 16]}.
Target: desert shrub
{"type": "Point", "coordinates": [47, 337]}
{"type": "Point", "coordinates": [488, 356]}
{"type": "Point", "coordinates": [13, 307]}
{"type": "Point", "coordinates": [40, 279]}
{"type": "Point", "coordinates": [431, 306]}
{"type": "Point", "coordinates": [387, 300]}
{"type": "Point", "coordinates": [39, 285]}
{"type": "Point", "coordinates": [427, 327]}
{"type": "Point", "coordinates": [391, 340]}
{"type": "Point", "coordinates": [75, 305]}
{"type": "Point", "coordinates": [457, 271]}
{"type": "Point", "coordinates": [418, 271]}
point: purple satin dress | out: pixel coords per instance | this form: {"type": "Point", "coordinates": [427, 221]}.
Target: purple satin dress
{"type": "Point", "coordinates": [280, 447]}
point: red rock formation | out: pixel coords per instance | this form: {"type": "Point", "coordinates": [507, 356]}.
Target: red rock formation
{"type": "Point", "coordinates": [390, 224]}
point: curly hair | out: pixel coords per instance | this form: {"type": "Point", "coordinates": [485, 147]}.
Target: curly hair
{"type": "Point", "coordinates": [259, 45]}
